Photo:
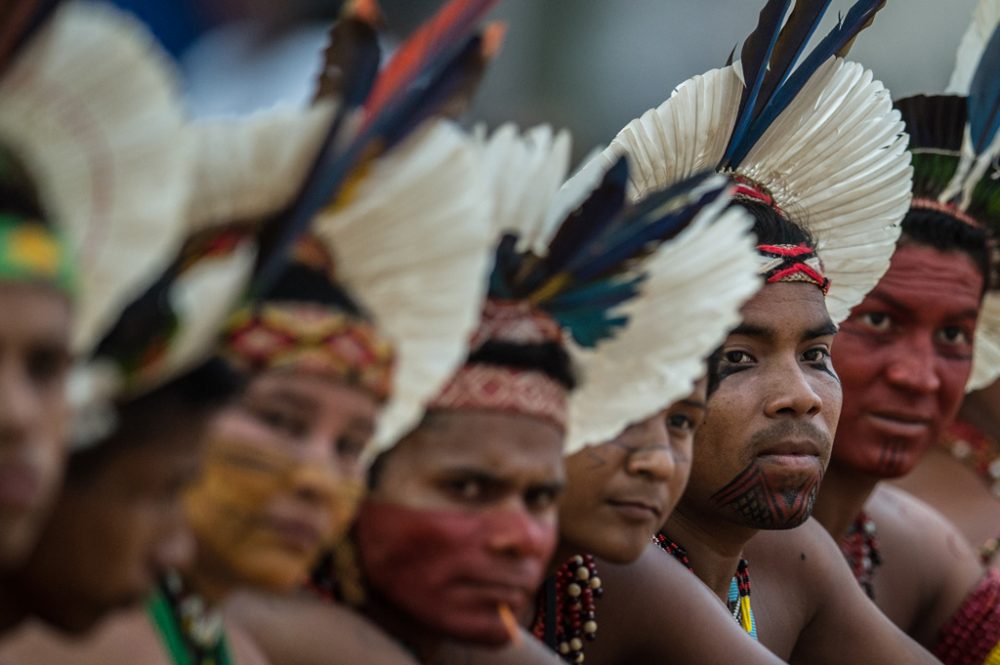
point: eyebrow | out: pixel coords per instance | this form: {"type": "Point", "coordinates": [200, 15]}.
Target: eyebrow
{"type": "Point", "coordinates": [971, 313]}
{"type": "Point", "coordinates": [825, 329]}
{"type": "Point", "coordinates": [753, 330]}
{"type": "Point", "coordinates": [693, 403]}
{"type": "Point", "coordinates": [296, 400]}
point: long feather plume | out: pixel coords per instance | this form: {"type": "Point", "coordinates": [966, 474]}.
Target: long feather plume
{"type": "Point", "coordinates": [352, 57]}
{"type": "Point", "coordinates": [448, 27]}
{"type": "Point", "coordinates": [791, 78]}
{"type": "Point", "coordinates": [412, 93]}
{"type": "Point", "coordinates": [984, 97]}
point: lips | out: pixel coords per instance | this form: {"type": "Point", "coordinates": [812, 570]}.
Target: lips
{"type": "Point", "coordinates": [636, 510]}
{"type": "Point", "coordinates": [297, 534]}
{"type": "Point", "coordinates": [900, 424]}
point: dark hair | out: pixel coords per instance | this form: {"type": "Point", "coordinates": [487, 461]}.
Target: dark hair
{"type": "Point", "coordinates": [18, 193]}
{"type": "Point", "coordinates": [195, 394]}
{"type": "Point", "coordinates": [550, 358]}
{"type": "Point", "coordinates": [299, 282]}
{"type": "Point", "coordinates": [944, 233]}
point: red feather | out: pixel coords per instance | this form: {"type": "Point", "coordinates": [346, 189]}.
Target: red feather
{"type": "Point", "coordinates": [453, 22]}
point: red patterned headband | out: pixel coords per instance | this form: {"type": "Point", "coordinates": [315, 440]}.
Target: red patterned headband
{"type": "Point", "coordinates": [312, 338]}
{"type": "Point", "coordinates": [946, 209]}
{"type": "Point", "coordinates": [792, 263]}
{"type": "Point", "coordinates": [748, 190]}
{"type": "Point", "coordinates": [498, 388]}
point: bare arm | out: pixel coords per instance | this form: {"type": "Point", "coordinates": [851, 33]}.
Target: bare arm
{"type": "Point", "coordinates": [656, 611]}
{"type": "Point", "coordinates": [305, 631]}
{"type": "Point", "coordinates": [845, 625]}
{"type": "Point", "coordinates": [528, 651]}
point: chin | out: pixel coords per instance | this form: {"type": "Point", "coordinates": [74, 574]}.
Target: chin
{"type": "Point", "coordinates": [484, 631]}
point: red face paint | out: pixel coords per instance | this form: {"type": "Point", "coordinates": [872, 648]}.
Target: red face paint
{"type": "Point", "coordinates": [904, 356]}
{"type": "Point", "coordinates": [451, 570]}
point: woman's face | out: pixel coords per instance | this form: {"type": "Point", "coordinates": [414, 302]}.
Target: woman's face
{"type": "Point", "coordinates": [621, 492]}
{"type": "Point", "coordinates": [281, 477]}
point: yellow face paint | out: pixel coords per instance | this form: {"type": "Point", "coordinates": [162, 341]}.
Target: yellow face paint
{"type": "Point", "coordinates": [266, 515]}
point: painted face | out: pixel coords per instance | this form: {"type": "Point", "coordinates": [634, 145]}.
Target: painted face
{"type": "Point", "coordinates": [281, 478]}
{"type": "Point", "coordinates": [116, 529]}
{"type": "Point", "coordinates": [620, 492]}
{"type": "Point", "coordinates": [761, 452]}
{"type": "Point", "coordinates": [904, 355]}
{"type": "Point", "coordinates": [34, 364]}
{"type": "Point", "coordinates": [463, 520]}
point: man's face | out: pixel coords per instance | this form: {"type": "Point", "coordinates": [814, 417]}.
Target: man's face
{"type": "Point", "coordinates": [113, 533]}
{"type": "Point", "coordinates": [761, 452]}
{"type": "Point", "coordinates": [463, 521]}
{"type": "Point", "coordinates": [281, 477]}
{"type": "Point", "coordinates": [904, 356]}
{"type": "Point", "coordinates": [34, 363]}
{"type": "Point", "coordinates": [620, 492]}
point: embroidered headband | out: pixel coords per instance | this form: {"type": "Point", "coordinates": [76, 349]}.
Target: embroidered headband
{"type": "Point", "coordinates": [32, 252]}
{"type": "Point", "coordinates": [311, 338]}
{"type": "Point", "coordinates": [498, 388]}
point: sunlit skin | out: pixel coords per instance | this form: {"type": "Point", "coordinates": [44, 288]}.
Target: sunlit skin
{"type": "Point", "coordinates": [292, 444]}
{"type": "Point", "coordinates": [479, 490]}
{"type": "Point", "coordinates": [34, 366]}
{"type": "Point", "coordinates": [904, 356]}
{"type": "Point", "coordinates": [766, 439]}
{"type": "Point", "coordinates": [620, 492]}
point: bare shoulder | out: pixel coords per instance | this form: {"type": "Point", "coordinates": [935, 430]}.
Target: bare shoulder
{"type": "Point", "coordinates": [302, 630]}
{"type": "Point", "coordinates": [124, 638]}
{"type": "Point", "coordinates": [655, 610]}
{"type": "Point", "coordinates": [243, 647]}
{"type": "Point", "coordinates": [921, 548]}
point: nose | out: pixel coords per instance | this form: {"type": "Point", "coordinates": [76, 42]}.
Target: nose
{"type": "Point", "coordinates": [517, 534]}
{"type": "Point", "coordinates": [913, 367]}
{"type": "Point", "coordinates": [19, 405]}
{"type": "Point", "coordinates": [792, 396]}
{"type": "Point", "coordinates": [655, 459]}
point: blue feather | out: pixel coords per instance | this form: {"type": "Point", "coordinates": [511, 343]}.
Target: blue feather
{"type": "Point", "coordinates": [984, 96]}
{"type": "Point", "coordinates": [857, 19]}
{"type": "Point", "coordinates": [588, 327]}
{"type": "Point", "coordinates": [755, 57]}
{"type": "Point", "coordinates": [607, 293]}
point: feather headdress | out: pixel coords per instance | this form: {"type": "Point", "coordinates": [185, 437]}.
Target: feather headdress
{"type": "Point", "coordinates": [955, 143]}
{"type": "Point", "coordinates": [577, 267]}
{"type": "Point", "coordinates": [819, 137]}
{"type": "Point", "coordinates": [397, 216]}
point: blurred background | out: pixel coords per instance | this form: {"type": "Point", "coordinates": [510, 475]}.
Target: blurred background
{"type": "Point", "coordinates": [588, 65]}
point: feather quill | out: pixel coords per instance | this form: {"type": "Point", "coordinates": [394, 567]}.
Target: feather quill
{"type": "Point", "coordinates": [984, 97]}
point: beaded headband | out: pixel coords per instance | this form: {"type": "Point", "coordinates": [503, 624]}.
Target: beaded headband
{"type": "Point", "coordinates": [31, 252]}
{"type": "Point", "coordinates": [310, 338]}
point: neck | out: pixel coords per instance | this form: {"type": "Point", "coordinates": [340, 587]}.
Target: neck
{"type": "Point", "coordinates": [978, 412]}
{"type": "Point", "coordinates": [565, 550]}
{"type": "Point", "coordinates": [423, 643]}
{"type": "Point", "coordinates": [842, 497]}
{"type": "Point", "coordinates": [714, 546]}
{"type": "Point", "coordinates": [12, 612]}
{"type": "Point", "coordinates": [211, 579]}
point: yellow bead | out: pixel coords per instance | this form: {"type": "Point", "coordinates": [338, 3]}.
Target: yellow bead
{"type": "Point", "coordinates": [582, 573]}
{"type": "Point", "coordinates": [595, 583]}
{"type": "Point", "coordinates": [576, 644]}
{"type": "Point", "coordinates": [574, 590]}
{"type": "Point", "coordinates": [590, 627]}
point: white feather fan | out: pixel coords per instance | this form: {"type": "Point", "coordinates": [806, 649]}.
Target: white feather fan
{"type": "Point", "coordinates": [835, 160]}
{"type": "Point", "coordinates": [91, 105]}
{"type": "Point", "coordinates": [970, 49]}
{"type": "Point", "coordinates": [690, 300]}
{"type": "Point", "coordinates": [414, 245]}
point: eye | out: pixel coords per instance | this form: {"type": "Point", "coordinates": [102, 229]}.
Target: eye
{"type": "Point", "coordinates": [736, 357]}
{"type": "Point", "coordinates": [280, 421]}
{"type": "Point", "coordinates": [817, 354]}
{"type": "Point", "coordinates": [46, 366]}
{"type": "Point", "coordinates": [466, 489]}
{"type": "Point", "coordinates": [954, 335]}
{"type": "Point", "coordinates": [681, 422]}
{"type": "Point", "coordinates": [875, 321]}
{"type": "Point", "coordinates": [541, 498]}
{"type": "Point", "coordinates": [350, 448]}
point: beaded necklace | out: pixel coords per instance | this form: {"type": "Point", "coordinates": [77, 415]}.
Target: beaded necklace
{"type": "Point", "coordinates": [566, 613]}
{"type": "Point", "coordinates": [860, 547]}
{"type": "Point", "coordinates": [981, 453]}
{"type": "Point", "coordinates": [739, 587]}
{"type": "Point", "coordinates": [974, 448]}
{"type": "Point", "coordinates": [192, 633]}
